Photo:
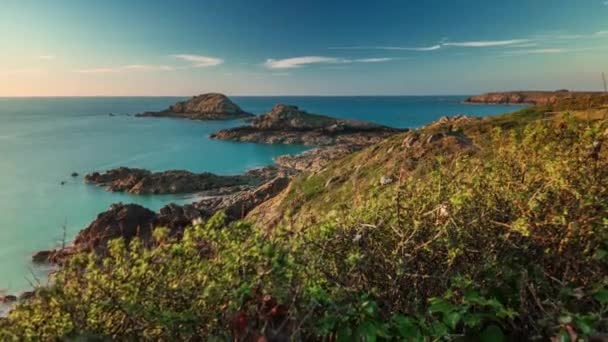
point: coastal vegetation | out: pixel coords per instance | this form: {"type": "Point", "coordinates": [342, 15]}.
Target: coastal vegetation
{"type": "Point", "coordinates": [467, 229]}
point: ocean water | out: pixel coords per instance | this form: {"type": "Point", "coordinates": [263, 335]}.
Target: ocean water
{"type": "Point", "coordinates": [44, 140]}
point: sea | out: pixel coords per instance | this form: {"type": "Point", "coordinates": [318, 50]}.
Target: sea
{"type": "Point", "coordinates": [44, 140]}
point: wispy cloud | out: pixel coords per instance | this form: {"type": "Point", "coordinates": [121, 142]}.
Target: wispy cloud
{"type": "Point", "coordinates": [601, 33]}
{"type": "Point", "coordinates": [369, 60]}
{"type": "Point", "coordinates": [298, 62]}
{"type": "Point", "coordinates": [551, 51]}
{"type": "Point", "coordinates": [126, 68]}
{"type": "Point", "coordinates": [389, 48]}
{"type": "Point", "coordinates": [487, 43]}
{"type": "Point", "coordinates": [479, 44]}
{"type": "Point", "coordinates": [45, 57]}
{"type": "Point", "coordinates": [539, 51]}
{"type": "Point", "coordinates": [200, 61]}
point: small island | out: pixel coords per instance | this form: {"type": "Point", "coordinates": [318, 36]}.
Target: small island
{"type": "Point", "coordinates": [211, 106]}
{"type": "Point", "coordinates": [286, 124]}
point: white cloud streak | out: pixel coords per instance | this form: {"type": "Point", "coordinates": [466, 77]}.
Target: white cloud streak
{"type": "Point", "coordinates": [45, 57]}
{"type": "Point", "coordinates": [489, 43]}
{"type": "Point", "coordinates": [389, 48]}
{"type": "Point", "coordinates": [539, 51]}
{"type": "Point", "coordinates": [200, 61]}
{"type": "Point", "coordinates": [298, 62]}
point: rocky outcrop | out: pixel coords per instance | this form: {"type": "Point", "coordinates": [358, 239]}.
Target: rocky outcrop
{"type": "Point", "coordinates": [289, 125]}
{"type": "Point", "coordinates": [140, 181]}
{"type": "Point", "coordinates": [128, 221]}
{"type": "Point", "coordinates": [210, 106]}
{"type": "Point", "coordinates": [315, 160]}
{"type": "Point", "coordinates": [539, 98]}
{"type": "Point", "coordinates": [120, 220]}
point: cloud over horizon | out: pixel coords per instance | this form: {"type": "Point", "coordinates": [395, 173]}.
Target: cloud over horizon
{"type": "Point", "coordinates": [487, 43]}
{"type": "Point", "coordinates": [394, 48]}
{"type": "Point", "coordinates": [199, 61]}
{"type": "Point", "coordinates": [298, 62]}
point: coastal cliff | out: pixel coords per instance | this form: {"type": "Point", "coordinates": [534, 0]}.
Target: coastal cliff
{"type": "Point", "coordinates": [211, 106]}
{"type": "Point", "coordinates": [575, 100]}
{"type": "Point", "coordinates": [286, 124]}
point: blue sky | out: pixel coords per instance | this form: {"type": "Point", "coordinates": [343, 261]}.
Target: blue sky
{"type": "Point", "coordinates": [263, 47]}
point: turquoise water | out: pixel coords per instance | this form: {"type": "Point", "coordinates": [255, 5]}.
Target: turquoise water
{"type": "Point", "coordinates": [44, 140]}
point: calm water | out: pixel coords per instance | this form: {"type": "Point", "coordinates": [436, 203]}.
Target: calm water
{"type": "Point", "coordinates": [44, 140]}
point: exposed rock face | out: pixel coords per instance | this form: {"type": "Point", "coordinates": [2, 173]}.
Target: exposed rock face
{"type": "Point", "coordinates": [121, 220]}
{"type": "Point", "coordinates": [210, 106]}
{"type": "Point", "coordinates": [140, 181]}
{"type": "Point", "coordinates": [541, 98]}
{"type": "Point", "coordinates": [289, 125]}
{"type": "Point", "coordinates": [315, 160]}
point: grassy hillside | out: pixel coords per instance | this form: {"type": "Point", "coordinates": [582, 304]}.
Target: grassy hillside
{"type": "Point", "coordinates": [483, 229]}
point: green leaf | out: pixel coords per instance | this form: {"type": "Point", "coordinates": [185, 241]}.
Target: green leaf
{"type": "Point", "coordinates": [367, 331]}
{"type": "Point", "coordinates": [472, 320]}
{"type": "Point", "coordinates": [440, 305]}
{"type": "Point", "coordinates": [439, 329]}
{"type": "Point", "coordinates": [406, 326]}
{"type": "Point", "coordinates": [492, 333]}
{"type": "Point", "coordinates": [601, 295]}
{"type": "Point", "coordinates": [452, 319]}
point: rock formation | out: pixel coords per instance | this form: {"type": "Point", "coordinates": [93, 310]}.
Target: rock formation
{"type": "Point", "coordinates": [289, 125]}
{"type": "Point", "coordinates": [140, 181]}
{"type": "Point", "coordinates": [539, 98]}
{"type": "Point", "coordinates": [210, 106]}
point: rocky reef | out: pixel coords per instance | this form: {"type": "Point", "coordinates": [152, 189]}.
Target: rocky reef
{"type": "Point", "coordinates": [286, 124]}
{"type": "Point", "coordinates": [141, 181]}
{"type": "Point", "coordinates": [212, 106]}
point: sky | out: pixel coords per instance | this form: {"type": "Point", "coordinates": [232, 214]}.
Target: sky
{"type": "Point", "coordinates": [268, 47]}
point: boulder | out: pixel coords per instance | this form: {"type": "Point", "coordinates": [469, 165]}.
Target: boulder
{"type": "Point", "coordinates": [120, 220]}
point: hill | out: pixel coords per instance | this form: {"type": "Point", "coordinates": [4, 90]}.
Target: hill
{"type": "Point", "coordinates": [486, 229]}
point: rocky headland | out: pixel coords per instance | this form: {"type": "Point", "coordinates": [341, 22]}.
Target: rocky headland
{"type": "Point", "coordinates": [235, 195]}
{"type": "Point", "coordinates": [286, 124]}
{"type": "Point", "coordinates": [212, 106]}
{"type": "Point", "coordinates": [538, 98]}
{"type": "Point", "coordinates": [141, 181]}
{"type": "Point", "coordinates": [128, 221]}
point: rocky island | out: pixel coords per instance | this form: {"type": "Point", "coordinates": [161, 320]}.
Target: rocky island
{"type": "Point", "coordinates": [286, 124]}
{"type": "Point", "coordinates": [211, 106]}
